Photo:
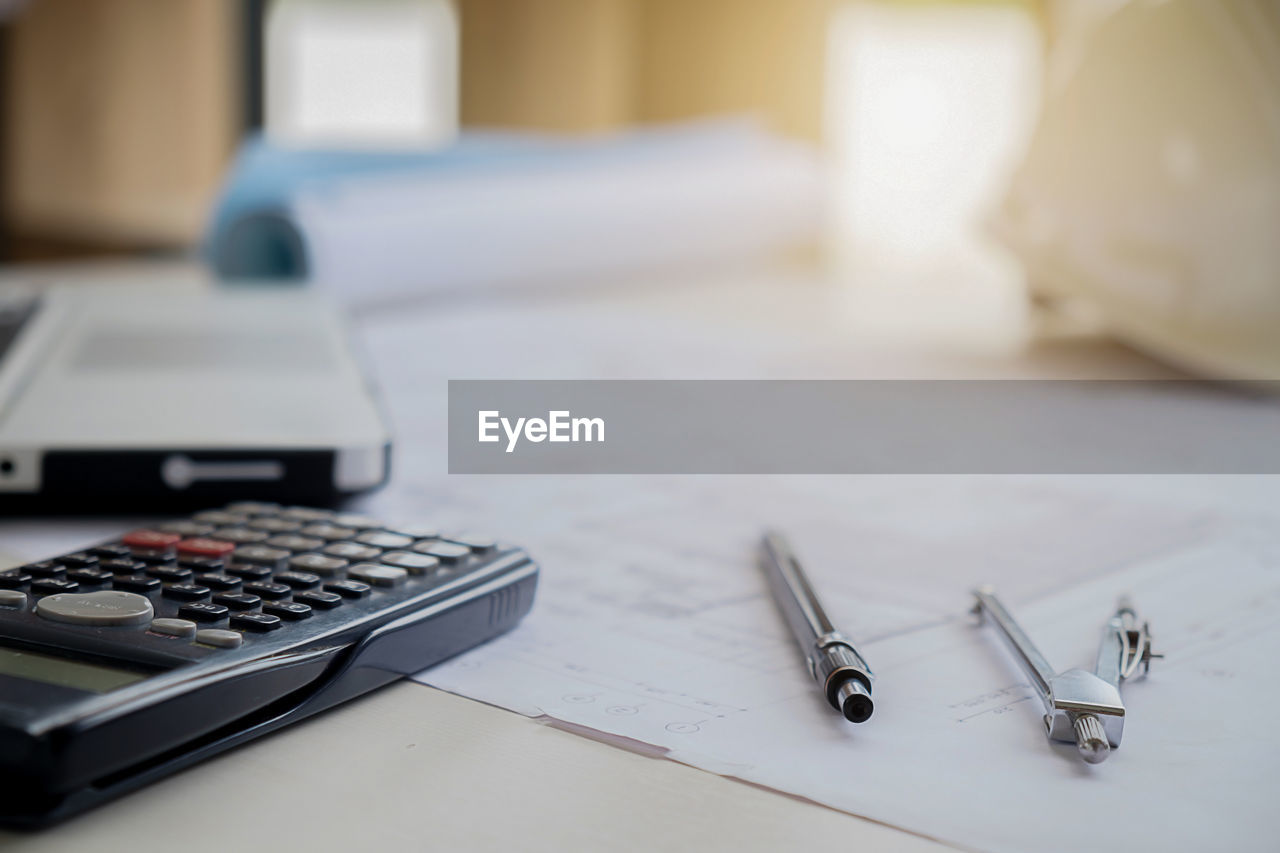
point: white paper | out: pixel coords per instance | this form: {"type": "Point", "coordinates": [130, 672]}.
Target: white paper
{"type": "Point", "coordinates": [653, 627]}
{"type": "Point", "coordinates": [688, 654]}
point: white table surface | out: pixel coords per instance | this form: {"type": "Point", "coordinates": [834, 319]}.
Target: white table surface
{"type": "Point", "coordinates": [411, 767]}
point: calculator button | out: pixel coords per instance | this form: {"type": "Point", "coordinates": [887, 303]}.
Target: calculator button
{"type": "Point", "coordinates": [203, 611]}
{"type": "Point", "coordinates": [306, 514]}
{"type": "Point", "coordinates": [49, 586]}
{"type": "Point", "coordinates": [348, 589]}
{"type": "Point", "coordinates": [378, 575]}
{"type": "Point", "coordinates": [287, 610]}
{"type": "Point", "coordinates": [79, 560]}
{"type": "Point", "coordinates": [204, 546]}
{"type": "Point", "coordinates": [135, 583]}
{"type": "Point", "coordinates": [155, 540]}
{"type": "Point", "coordinates": [89, 576]}
{"type": "Point", "coordinates": [317, 599]}
{"type": "Point", "coordinates": [414, 564]}
{"type": "Point", "coordinates": [261, 555]}
{"type": "Point", "coordinates": [173, 627]}
{"type": "Point", "coordinates": [240, 535]}
{"type": "Point", "coordinates": [238, 600]}
{"type": "Point", "coordinates": [297, 580]}
{"type": "Point", "coordinates": [220, 518]}
{"type": "Point", "coordinates": [152, 557]}
{"type": "Point", "coordinates": [256, 622]}
{"type": "Point", "coordinates": [96, 608]}
{"type": "Point", "coordinates": [268, 590]}
{"type": "Point", "coordinates": [352, 551]}
{"type": "Point", "coordinates": [445, 552]}
{"type": "Point", "coordinates": [328, 531]}
{"type": "Point", "coordinates": [294, 542]}
{"type": "Point", "coordinates": [186, 592]}
{"type": "Point", "coordinates": [187, 528]}
{"type": "Point", "coordinates": [275, 525]}
{"type": "Point", "coordinates": [12, 598]}
{"type": "Point", "coordinates": [170, 574]}
{"type": "Point", "coordinates": [414, 531]}
{"type": "Point", "coordinates": [201, 564]}
{"type": "Point", "coordinates": [382, 539]}
{"type": "Point", "coordinates": [359, 522]}
{"type": "Point", "coordinates": [123, 567]}
{"type": "Point", "coordinates": [318, 564]}
{"type": "Point", "coordinates": [253, 508]}
{"type": "Point", "coordinates": [45, 569]}
{"type": "Point", "coordinates": [13, 578]}
{"type": "Point", "coordinates": [477, 543]}
{"type": "Point", "coordinates": [214, 580]}
{"type": "Point", "coordinates": [249, 571]}
{"type": "Point", "coordinates": [221, 638]}
{"type": "Point", "coordinates": [111, 552]}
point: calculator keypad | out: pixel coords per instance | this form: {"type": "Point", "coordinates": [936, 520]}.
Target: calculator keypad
{"type": "Point", "coordinates": [238, 600]}
{"type": "Point", "coordinates": [14, 579]}
{"type": "Point", "coordinates": [248, 570]}
{"type": "Point", "coordinates": [89, 577]}
{"type": "Point", "coordinates": [258, 623]}
{"type": "Point", "coordinates": [46, 569]}
{"type": "Point", "coordinates": [50, 586]}
{"type": "Point", "coordinates": [186, 592]}
{"type": "Point", "coordinates": [136, 583]}
{"type": "Point", "coordinates": [203, 611]}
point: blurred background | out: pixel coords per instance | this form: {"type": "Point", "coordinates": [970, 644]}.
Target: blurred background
{"type": "Point", "coordinates": [986, 171]}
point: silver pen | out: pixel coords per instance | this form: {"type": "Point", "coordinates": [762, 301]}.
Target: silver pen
{"type": "Point", "coordinates": [1079, 705]}
{"type": "Point", "coordinates": [833, 661]}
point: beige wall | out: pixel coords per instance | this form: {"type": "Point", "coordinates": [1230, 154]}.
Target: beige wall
{"type": "Point", "coordinates": [716, 56]}
{"type": "Point", "coordinates": [554, 64]}
{"type": "Point", "coordinates": [598, 64]}
{"type": "Point", "coordinates": [119, 116]}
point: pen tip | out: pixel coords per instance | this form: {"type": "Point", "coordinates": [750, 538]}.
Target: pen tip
{"type": "Point", "coordinates": [855, 701]}
{"type": "Point", "coordinates": [857, 709]}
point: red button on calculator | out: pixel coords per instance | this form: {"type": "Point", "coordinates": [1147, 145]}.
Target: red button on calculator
{"type": "Point", "coordinates": [202, 547]}
{"type": "Point", "coordinates": [153, 539]}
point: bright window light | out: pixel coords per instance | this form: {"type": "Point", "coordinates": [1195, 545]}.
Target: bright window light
{"type": "Point", "coordinates": [928, 109]}
{"type": "Point", "coordinates": [364, 73]}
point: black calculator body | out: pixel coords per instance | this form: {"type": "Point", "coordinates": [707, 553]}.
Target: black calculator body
{"type": "Point", "coordinates": [124, 662]}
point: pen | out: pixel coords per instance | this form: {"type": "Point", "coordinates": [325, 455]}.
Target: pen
{"type": "Point", "coordinates": [833, 661]}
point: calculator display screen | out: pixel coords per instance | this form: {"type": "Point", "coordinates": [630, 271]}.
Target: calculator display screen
{"type": "Point", "coordinates": [64, 672]}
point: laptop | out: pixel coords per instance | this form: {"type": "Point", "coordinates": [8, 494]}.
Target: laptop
{"type": "Point", "coordinates": [128, 396]}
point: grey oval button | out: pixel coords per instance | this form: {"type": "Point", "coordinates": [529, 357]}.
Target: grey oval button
{"type": "Point", "coordinates": [105, 607]}
{"type": "Point", "coordinates": [318, 563]}
{"type": "Point", "coordinates": [377, 575]}
{"type": "Point", "coordinates": [382, 539]}
{"type": "Point", "coordinates": [174, 627]}
{"type": "Point", "coordinates": [445, 552]}
{"type": "Point", "coordinates": [12, 598]}
{"type": "Point", "coordinates": [413, 563]}
{"type": "Point", "coordinates": [219, 637]}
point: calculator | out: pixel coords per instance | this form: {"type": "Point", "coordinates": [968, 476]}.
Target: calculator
{"type": "Point", "coordinates": [126, 661]}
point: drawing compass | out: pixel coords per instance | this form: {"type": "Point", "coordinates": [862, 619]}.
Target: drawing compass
{"type": "Point", "coordinates": [1080, 706]}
